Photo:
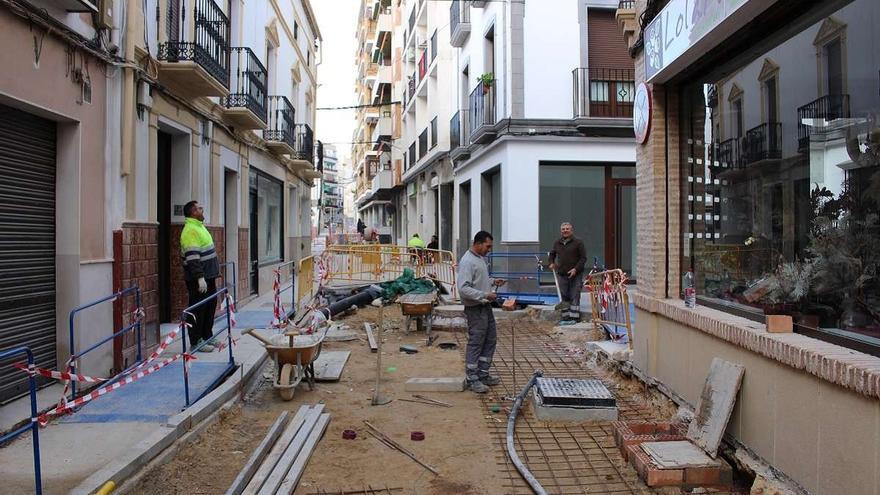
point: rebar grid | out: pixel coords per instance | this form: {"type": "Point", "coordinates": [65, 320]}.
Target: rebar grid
{"type": "Point", "coordinates": [566, 459]}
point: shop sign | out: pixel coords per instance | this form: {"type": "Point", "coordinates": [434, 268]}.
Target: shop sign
{"type": "Point", "coordinates": [679, 26]}
{"type": "Point", "coordinates": [642, 113]}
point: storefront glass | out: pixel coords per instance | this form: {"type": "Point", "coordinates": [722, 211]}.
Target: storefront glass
{"type": "Point", "coordinates": [269, 219]}
{"type": "Point", "coordinates": [781, 177]}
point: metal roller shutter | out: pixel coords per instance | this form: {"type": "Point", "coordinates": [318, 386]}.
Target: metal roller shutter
{"type": "Point", "coordinates": [27, 242]}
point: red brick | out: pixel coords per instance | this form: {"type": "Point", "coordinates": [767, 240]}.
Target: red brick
{"type": "Point", "coordinates": [718, 476]}
{"type": "Point", "coordinates": [635, 433]}
{"type": "Point", "coordinates": [650, 473]}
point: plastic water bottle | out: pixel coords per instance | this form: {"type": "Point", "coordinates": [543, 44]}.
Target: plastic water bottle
{"type": "Point", "coordinates": [690, 293]}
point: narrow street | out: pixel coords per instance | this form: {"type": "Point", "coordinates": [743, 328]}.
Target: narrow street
{"type": "Point", "coordinates": [466, 442]}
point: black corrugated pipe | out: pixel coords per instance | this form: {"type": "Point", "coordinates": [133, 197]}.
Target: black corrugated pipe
{"type": "Point", "coordinates": [362, 298]}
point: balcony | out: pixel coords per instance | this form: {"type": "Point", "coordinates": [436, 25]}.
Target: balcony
{"type": "Point", "coordinates": [482, 111]}
{"type": "Point", "coordinates": [459, 136]}
{"type": "Point", "coordinates": [603, 92]}
{"type": "Point", "coordinates": [381, 133]}
{"type": "Point", "coordinates": [412, 156]}
{"type": "Point", "coordinates": [817, 114]}
{"type": "Point", "coordinates": [382, 180]}
{"type": "Point", "coordinates": [246, 103]}
{"type": "Point", "coordinates": [304, 147]}
{"type": "Point", "coordinates": [459, 23]}
{"type": "Point", "coordinates": [728, 154]}
{"type": "Point", "coordinates": [763, 142]}
{"type": "Point", "coordinates": [423, 143]}
{"type": "Point", "coordinates": [626, 4]}
{"type": "Point", "coordinates": [279, 135]}
{"type": "Point", "coordinates": [197, 63]}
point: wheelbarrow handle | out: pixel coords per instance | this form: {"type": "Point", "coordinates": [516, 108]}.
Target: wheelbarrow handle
{"type": "Point", "coordinates": [253, 333]}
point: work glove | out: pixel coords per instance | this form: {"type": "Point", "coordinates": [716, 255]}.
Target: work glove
{"type": "Point", "coordinates": [203, 286]}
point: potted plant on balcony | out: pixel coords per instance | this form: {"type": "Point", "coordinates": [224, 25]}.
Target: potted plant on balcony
{"type": "Point", "coordinates": [487, 80]}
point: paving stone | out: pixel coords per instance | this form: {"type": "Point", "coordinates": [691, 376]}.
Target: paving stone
{"type": "Point", "coordinates": [441, 384]}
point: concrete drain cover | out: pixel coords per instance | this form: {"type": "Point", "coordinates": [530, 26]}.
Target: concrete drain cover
{"type": "Point", "coordinates": [572, 392]}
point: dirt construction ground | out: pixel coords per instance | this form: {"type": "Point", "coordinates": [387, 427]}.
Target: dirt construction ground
{"type": "Point", "coordinates": [465, 443]}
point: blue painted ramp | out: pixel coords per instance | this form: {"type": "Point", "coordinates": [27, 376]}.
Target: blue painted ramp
{"type": "Point", "coordinates": [152, 399]}
{"type": "Point", "coordinates": [245, 319]}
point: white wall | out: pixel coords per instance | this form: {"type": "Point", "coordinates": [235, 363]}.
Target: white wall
{"type": "Point", "coordinates": [550, 55]}
{"type": "Point", "coordinates": [519, 161]}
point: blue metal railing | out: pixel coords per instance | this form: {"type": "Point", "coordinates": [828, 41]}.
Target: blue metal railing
{"type": "Point", "coordinates": [223, 267]}
{"type": "Point", "coordinates": [32, 425]}
{"type": "Point", "coordinates": [137, 326]}
{"type": "Point", "coordinates": [220, 295]}
{"type": "Point", "coordinates": [535, 275]}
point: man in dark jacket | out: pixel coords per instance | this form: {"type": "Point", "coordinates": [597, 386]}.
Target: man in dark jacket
{"type": "Point", "coordinates": [567, 260]}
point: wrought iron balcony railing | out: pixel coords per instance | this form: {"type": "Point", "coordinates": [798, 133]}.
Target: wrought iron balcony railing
{"type": "Point", "coordinates": [826, 108]}
{"type": "Point", "coordinates": [459, 22]}
{"type": "Point", "coordinates": [304, 148]}
{"type": "Point", "coordinates": [281, 121]}
{"type": "Point", "coordinates": [208, 46]}
{"type": "Point", "coordinates": [728, 154]}
{"type": "Point", "coordinates": [249, 78]}
{"type": "Point", "coordinates": [763, 142]}
{"type": "Point", "coordinates": [626, 4]}
{"type": "Point", "coordinates": [482, 107]}
{"type": "Point", "coordinates": [603, 92]}
{"type": "Point", "coordinates": [459, 132]}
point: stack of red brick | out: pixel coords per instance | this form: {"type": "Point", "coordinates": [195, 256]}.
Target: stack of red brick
{"type": "Point", "coordinates": [630, 435]}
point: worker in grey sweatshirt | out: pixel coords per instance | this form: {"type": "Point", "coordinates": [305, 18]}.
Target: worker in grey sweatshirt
{"type": "Point", "coordinates": [477, 295]}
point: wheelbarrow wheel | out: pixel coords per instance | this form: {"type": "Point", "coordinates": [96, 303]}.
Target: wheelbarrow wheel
{"type": "Point", "coordinates": [286, 378]}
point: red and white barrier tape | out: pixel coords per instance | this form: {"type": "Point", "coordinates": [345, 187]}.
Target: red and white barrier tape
{"type": "Point", "coordinates": [58, 375]}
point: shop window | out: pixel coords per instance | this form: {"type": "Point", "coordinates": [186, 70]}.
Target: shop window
{"type": "Point", "coordinates": [793, 227]}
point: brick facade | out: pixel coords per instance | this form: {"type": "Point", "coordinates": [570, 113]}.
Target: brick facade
{"type": "Point", "coordinates": [136, 262]}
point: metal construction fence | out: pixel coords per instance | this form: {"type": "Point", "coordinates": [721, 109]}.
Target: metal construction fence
{"type": "Point", "coordinates": [358, 264]}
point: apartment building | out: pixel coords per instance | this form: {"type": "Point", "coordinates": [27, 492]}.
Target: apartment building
{"type": "Point", "coordinates": [542, 129]}
{"type": "Point", "coordinates": [133, 109]}
{"type": "Point", "coordinates": [330, 199]}
{"type": "Point", "coordinates": [423, 55]}
{"type": "Point", "coordinates": [372, 139]}
{"type": "Point", "coordinates": [759, 173]}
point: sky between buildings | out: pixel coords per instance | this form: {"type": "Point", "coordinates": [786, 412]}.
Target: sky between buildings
{"type": "Point", "coordinates": [337, 20]}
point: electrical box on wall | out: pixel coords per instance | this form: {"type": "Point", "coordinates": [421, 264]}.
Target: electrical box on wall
{"type": "Point", "coordinates": [104, 17]}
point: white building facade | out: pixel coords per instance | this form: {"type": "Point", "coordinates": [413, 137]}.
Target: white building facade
{"type": "Point", "coordinates": [542, 131]}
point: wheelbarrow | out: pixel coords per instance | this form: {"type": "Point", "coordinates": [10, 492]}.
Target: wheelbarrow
{"type": "Point", "coordinates": [293, 362]}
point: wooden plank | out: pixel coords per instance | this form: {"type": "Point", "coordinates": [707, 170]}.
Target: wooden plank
{"type": "Point", "coordinates": [251, 466]}
{"type": "Point", "coordinates": [280, 446]}
{"type": "Point", "coordinates": [299, 466]}
{"type": "Point", "coordinates": [715, 405]}
{"type": "Point", "coordinates": [329, 365]}
{"type": "Point", "coordinates": [374, 347]}
{"type": "Point", "coordinates": [287, 459]}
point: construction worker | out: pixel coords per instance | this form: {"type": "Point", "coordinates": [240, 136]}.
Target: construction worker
{"type": "Point", "coordinates": [416, 248]}
{"type": "Point", "coordinates": [200, 271]}
{"type": "Point", "coordinates": [477, 295]}
{"type": "Point", "coordinates": [567, 260]}
{"type": "Point", "coordinates": [415, 242]}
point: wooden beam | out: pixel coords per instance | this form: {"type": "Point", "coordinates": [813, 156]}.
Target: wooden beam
{"type": "Point", "coordinates": [296, 470]}
{"type": "Point", "coordinates": [251, 466]}
{"type": "Point", "coordinates": [374, 347]}
{"type": "Point", "coordinates": [270, 486]}
{"type": "Point", "coordinates": [269, 462]}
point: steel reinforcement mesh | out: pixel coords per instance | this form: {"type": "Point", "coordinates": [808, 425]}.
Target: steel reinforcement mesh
{"type": "Point", "coordinates": [566, 458]}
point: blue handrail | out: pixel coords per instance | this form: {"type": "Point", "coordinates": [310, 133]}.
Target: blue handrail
{"type": "Point", "coordinates": [221, 293]}
{"type": "Point", "coordinates": [32, 425]}
{"type": "Point", "coordinates": [137, 325]}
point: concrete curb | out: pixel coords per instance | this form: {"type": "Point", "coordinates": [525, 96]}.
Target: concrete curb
{"type": "Point", "coordinates": [176, 427]}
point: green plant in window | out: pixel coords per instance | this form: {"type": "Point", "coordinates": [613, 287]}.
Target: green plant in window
{"type": "Point", "coordinates": [487, 79]}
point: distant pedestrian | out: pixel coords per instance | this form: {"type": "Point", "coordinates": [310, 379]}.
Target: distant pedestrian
{"type": "Point", "coordinates": [361, 226]}
{"type": "Point", "coordinates": [477, 295]}
{"type": "Point", "coordinates": [415, 241]}
{"type": "Point", "coordinates": [567, 260]}
{"type": "Point", "coordinates": [434, 244]}
{"type": "Point", "coordinates": [200, 271]}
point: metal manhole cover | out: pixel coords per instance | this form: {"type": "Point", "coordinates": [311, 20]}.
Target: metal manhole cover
{"type": "Point", "coordinates": [574, 392]}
